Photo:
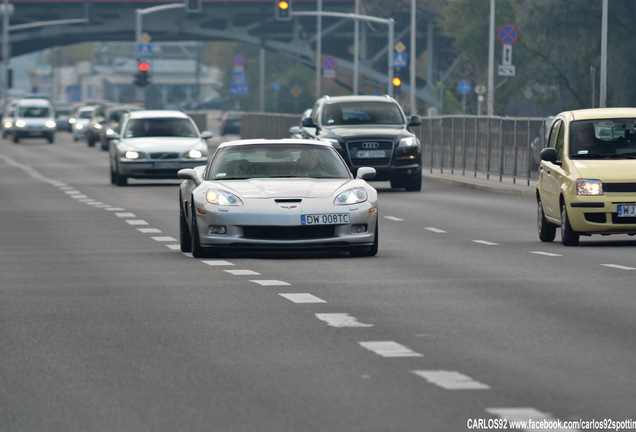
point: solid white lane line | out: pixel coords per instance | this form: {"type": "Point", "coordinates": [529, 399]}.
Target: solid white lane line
{"type": "Point", "coordinates": [136, 222]}
{"type": "Point", "coordinates": [302, 298]}
{"type": "Point", "coordinates": [163, 238]}
{"type": "Point", "coordinates": [217, 263]}
{"type": "Point", "coordinates": [620, 267]}
{"type": "Point", "coordinates": [389, 349]}
{"type": "Point", "coordinates": [393, 218]}
{"type": "Point", "coordinates": [271, 282]}
{"type": "Point", "coordinates": [149, 230]}
{"type": "Point", "coordinates": [243, 272]}
{"type": "Point", "coordinates": [485, 242]}
{"type": "Point", "coordinates": [546, 253]}
{"type": "Point", "coordinates": [340, 320]}
{"type": "Point", "coordinates": [450, 380]}
{"type": "Point", "coordinates": [125, 215]}
{"type": "Point", "coordinates": [435, 230]}
{"type": "Point", "coordinates": [523, 415]}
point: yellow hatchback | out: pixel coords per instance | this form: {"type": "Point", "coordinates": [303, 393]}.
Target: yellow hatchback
{"type": "Point", "coordinates": [587, 178]}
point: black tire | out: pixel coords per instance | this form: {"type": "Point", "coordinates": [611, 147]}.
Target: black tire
{"type": "Point", "coordinates": [414, 185]}
{"type": "Point", "coordinates": [51, 139]}
{"type": "Point", "coordinates": [184, 231]}
{"type": "Point", "coordinates": [547, 231]}
{"type": "Point", "coordinates": [120, 180]}
{"type": "Point", "coordinates": [16, 138]}
{"type": "Point", "coordinates": [367, 251]}
{"type": "Point", "coordinates": [113, 177]}
{"type": "Point", "coordinates": [569, 237]}
{"type": "Point", "coordinates": [195, 241]}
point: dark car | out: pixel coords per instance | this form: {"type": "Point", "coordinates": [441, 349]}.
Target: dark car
{"type": "Point", "coordinates": [370, 131]}
{"type": "Point", "coordinates": [231, 123]}
{"type": "Point", "coordinates": [112, 120]}
{"type": "Point", "coordinates": [95, 124]}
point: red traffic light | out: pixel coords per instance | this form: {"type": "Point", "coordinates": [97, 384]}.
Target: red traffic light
{"type": "Point", "coordinates": [143, 67]}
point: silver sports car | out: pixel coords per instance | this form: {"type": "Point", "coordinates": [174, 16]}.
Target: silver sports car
{"type": "Point", "coordinates": [287, 194]}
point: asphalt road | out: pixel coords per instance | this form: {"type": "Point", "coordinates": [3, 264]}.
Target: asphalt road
{"type": "Point", "coordinates": [464, 319]}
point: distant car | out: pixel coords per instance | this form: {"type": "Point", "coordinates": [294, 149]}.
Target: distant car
{"type": "Point", "coordinates": [95, 124]}
{"type": "Point", "coordinates": [587, 178]}
{"type": "Point", "coordinates": [287, 194]}
{"type": "Point", "coordinates": [296, 131]}
{"type": "Point", "coordinates": [7, 121]}
{"type": "Point", "coordinates": [80, 120]}
{"type": "Point", "coordinates": [231, 123]}
{"type": "Point", "coordinates": [370, 131]}
{"type": "Point", "coordinates": [155, 144]}
{"type": "Point", "coordinates": [112, 120]}
{"type": "Point", "coordinates": [62, 115]}
{"type": "Point", "coordinates": [33, 118]}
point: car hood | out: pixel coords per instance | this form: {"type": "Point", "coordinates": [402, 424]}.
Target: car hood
{"type": "Point", "coordinates": [607, 170]}
{"type": "Point", "coordinates": [285, 188]}
{"type": "Point", "coordinates": [164, 144]}
{"type": "Point", "coordinates": [361, 131]}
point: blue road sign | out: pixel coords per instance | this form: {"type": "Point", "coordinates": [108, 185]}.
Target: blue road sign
{"type": "Point", "coordinates": [508, 34]}
{"type": "Point", "coordinates": [239, 84]}
{"type": "Point", "coordinates": [144, 50]}
{"type": "Point", "coordinates": [400, 60]}
{"type": "Point", "coordinates": [464, 87]}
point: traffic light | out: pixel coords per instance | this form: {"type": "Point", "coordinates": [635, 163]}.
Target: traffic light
{"type": "Point", "coordinates": [283, 10]}
{"type": "Point", "coordinates": [142, 77]}
{"type": "Point", "coordinates": [397, 82]}
{"type": "Point", "coordinates": [193, 6]}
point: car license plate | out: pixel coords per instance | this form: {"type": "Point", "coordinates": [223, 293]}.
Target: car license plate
{"type": "Point", "coordinates": [627, 211]}
{"type": "Point", "coordinates": [360, 154]}
{"type": "Point", "coordinates": [324, 219]}
{"type": "Point", "coordinates": [160, 165]}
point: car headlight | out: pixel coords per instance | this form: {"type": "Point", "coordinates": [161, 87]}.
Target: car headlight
{"type": "Point", "coordinates": [589, 187]}
{"type": "Point", "coordinates": [334, 142]}
{"type": "Point", "coordinates": [50, 124]}
{"type": "Point", "coordinates": [7, 125]}
{"type": "Point", "coordinates": [78, 126]}
{"type": "Point", "coordinates": [20, 123]}
{"type": "Point", "coordinates": [408, 142]}
{"type": "Point", "coordinates": [194, 154]}
{"type": "Point", "coordinates": [131, 154]}
{"type": "Point", "coordinates": [223, 198]}
{"type": "Point", "coordinates": [351, 196]}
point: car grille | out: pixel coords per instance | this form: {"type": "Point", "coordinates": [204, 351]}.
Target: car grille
{"type": "Point", "coordinates": [288, 232]}
{"type": "Point", "coordinates": [619, 187]}
{"type": "Point", "coordinates": [164, 155]}
{"type": "Point", "coordinates": [353, 147]}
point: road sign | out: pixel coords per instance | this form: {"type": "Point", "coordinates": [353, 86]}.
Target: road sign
{"type": "Point", "coordinates": [400, 47]}
{"type": "Point", "coordinates": [329, 62]}
{"type": "Point", "coordinates": [464, 87]}
{"type": "Point", "coordinates": [506, 70]}
{"type": "Point", "coordinates": [480, 89]}
{"type": "Point", "coordinates": [145, 37]}
{"type": "Point", "coordinates": [239, 60]}
{"type": "Point", "coordinates": [508, 34]}
{"type": "Point", "coordinates": [400, 60]}
{"type": "Point", "coordinates": [329, 75]}
{"type": "Point", "coordinates": [506, 57]}
{"type": "Point", "coordinates": [239, 83]}
{"type": "Point", "coordinates": [144, 50]}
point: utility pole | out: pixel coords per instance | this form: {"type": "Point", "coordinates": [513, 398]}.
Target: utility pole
{"type": "Point", "coordinates": [491, 62]}
{"type": "Point", "coordinates": [603, 88]}
{"type": "Point", "coordinates": [413, 58]}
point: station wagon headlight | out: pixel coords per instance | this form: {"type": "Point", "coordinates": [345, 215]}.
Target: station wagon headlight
{"type": "Point", "coordinates": [589, 187]}
{"type": "Point", "coordinates": [50, 124]}
{"type": "Point", "coordinates": [20, 123]}
{"type": "Point", "coordinates": [223, 198]}
{"type": "Point", "coordinates": [351, 196]}
{"type": "Point", "coordinates": [194, 154]}
{"type": "Point", "coordinates": [131, 154]}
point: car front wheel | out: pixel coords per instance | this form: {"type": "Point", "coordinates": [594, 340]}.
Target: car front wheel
{"type": "Point", "coordinates": [184, 231]}
{"type": "Point", "coordinates": [367, 251]}
{"type": "Point", "coordinates": [547, 231]}
{"type": "Point", "coordinates": [569, 237]}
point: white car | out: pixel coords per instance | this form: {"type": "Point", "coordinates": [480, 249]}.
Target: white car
{"type": "Point", "coordinates": [79, 122]}
{"type": "Point", "coordinates": [155, 144]}
{"type": "Point", "coordinates": [287, 194]}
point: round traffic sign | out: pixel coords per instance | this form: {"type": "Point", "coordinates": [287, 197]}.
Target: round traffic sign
{"type": "Point", "coordinates": [464, 87]}
{"type": "Point", "coordinates": [239, 60]}
{"type": "Point", "coordinates": [329, 62]}
{"type": "Point", "coordinates": [508, 34]}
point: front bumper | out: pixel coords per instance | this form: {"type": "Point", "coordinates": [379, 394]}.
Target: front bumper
{"type": "Point", "coordinates": [281, 228]}
{"type": "Point", "coordinates": [599, 215]}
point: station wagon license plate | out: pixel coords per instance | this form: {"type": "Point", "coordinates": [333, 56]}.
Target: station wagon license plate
{"type": "Point", "coordinates": [360, 154]}
{"type": "Point", "coordinates": [627, 211]}
{"type": "Point", "coordinates": [166, 165]}
{"type": "Point", "coordinates": [324, 219]}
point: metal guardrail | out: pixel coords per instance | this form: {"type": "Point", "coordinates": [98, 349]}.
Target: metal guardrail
{"type": "Point", "coordinates": [496, 147]}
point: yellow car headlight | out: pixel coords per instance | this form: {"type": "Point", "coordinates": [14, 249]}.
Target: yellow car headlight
{"type": "Point", "coordinates": [588, 187]}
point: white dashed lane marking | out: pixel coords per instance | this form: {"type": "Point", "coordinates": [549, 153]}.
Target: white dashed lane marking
{"type": "Point", "coordinates": [270, 282]}
{"type": "Point", "coordinates": [136, 222]}
{"type": "Point", "coordinates": [393, 218]}
{"type": "Point", "coordinates": [485, 242]}
{"type": "Point", "coordinates": [149, 230]}
{"type": "Point", "coordinates": [546, 253]}
{"type": "Point", "coordinates": [620, 267]}
{"type": "Point", "coordinates": [302, 298]}
{"type": "Point", "coordinates": [450, 380]}
{"type": "Point", "coordinates": [340, 320]}
{"type": "Point", "coordinates": [389, 349]}
{"type": "Point", "coordinates": [435, 230]}
{"type": "Point", "coordinates": [125, 215]}
{"type": "Point", "coordinates": [218, 263]}
{"type": "Point", "coordinates": [243, 272]}
{"type": "Point", "coordinates": [174, 247]}
{"type": "Point", "coordinates": [163, 238]}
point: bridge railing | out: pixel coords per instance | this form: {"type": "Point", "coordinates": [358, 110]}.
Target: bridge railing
{"type": "Point", "coordinates": [495, 147]}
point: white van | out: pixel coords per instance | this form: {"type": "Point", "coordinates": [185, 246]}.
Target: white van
{"type": "Point", "coordinates": [34, 118]}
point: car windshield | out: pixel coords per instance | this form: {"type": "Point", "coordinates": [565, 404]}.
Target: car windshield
{"type": "Point", "coordinates": [160, 127]}
{"type": "Point", "coordinates": [85, 114]}
{"type": "Point", "coordinates": [277, 161]}
{"type": "Point", "coordinates": [603, 139]}
{"type": "Point", "coordinates": [33, 112]}
{"type": "Point", "coordinates": [369, 113]}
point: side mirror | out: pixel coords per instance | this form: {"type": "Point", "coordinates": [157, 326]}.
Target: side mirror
{"type": "Point", "coordinates": [416, 120]}
{"type": "Point", "coordinates": [309, 122]}
{"type": "Point", "coordinates": [365, 173]}
{"type": "Point", "coordinates": [113, 136]}
{"type": "Point", "coordinates": [207, 135]}
{"type": "Point", "coordinates": [549, 155]}
{"type": "Point", "coordinates": [295, 131]}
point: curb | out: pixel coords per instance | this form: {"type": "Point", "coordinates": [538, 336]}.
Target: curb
{"type": "Point", "coordinates": [492, 186]}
